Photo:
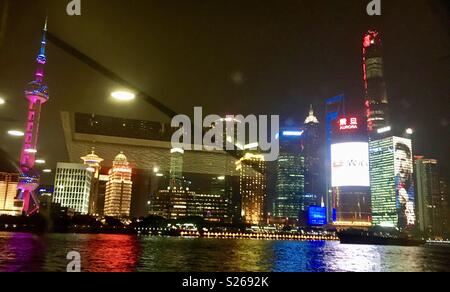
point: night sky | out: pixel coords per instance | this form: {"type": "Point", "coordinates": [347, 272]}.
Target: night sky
{"type": "Point", "coordinates": [231, 57]}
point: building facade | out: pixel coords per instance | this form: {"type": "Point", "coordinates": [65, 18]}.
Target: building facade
{"type": "Point", "coordinates": [335, 107]}
{"type": "Point", "coordinates": [350, 179]}
{"type": "Point", "coordinates": [119, 189]}
{"type": "Point", "coordinates": [392, 184]}
{"type": "Point", "coordinates": [191, 195]}
{"type": "Point", "coordinates": [314, 152]}
{"type": "Point", "coordinates": [253, 188]}
{"type": "Point", "coordinates": [431, 205]}
{"type": "Point", "coordinates": [8, 191]}
{"type": "Point", "coordinates": [290, 198]}
{"type": "Point", "coordinates": [374, 84]}
{"type": "Point", "coordinates": [73, 187]}
{"type": "Point", "coordinates": [93, 161]}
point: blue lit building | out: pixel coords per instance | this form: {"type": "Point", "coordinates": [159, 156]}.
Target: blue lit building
{"type": "Point", "coordinates": [335, 107]}
{"type": "Point", "coordinates": [291, 201]}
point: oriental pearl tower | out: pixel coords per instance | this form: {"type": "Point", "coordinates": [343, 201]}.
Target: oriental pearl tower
{"type": "Point", "coordinates": [36, 93]}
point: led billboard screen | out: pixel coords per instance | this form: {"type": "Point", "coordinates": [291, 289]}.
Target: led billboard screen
{"type": "Point", "coordinates": [317, 216]}
{"type": "Point", "coordinates": [404, 182]}
{"type": "Point", "coordinates": [350, 164]}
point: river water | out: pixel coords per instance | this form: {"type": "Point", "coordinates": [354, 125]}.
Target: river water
{"type": "Point", "coordinates": [125, 253]}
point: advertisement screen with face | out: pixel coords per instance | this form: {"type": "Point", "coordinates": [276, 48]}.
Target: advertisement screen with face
{"type": "Point", "coordinates": [404, 184]}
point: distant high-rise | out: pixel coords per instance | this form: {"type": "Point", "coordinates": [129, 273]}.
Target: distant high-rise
{"type": "Point", "coordinates": [350, 177]}
{"type": "Point", "coordinates": [73, 186]}
{"type": "Point", "coordinates": [173, 202]}
{"type": "Point", "coordinates": [392, 182]}
{"type": "Point", "coordinates": [335, 107]}
{"type": "Point", "coordinates": [431, 204]}
{"type": "Point", "coordinates": [445, 195]}
{"type": "Point", "coordinates": [253, 188]}
{"type": "Point", "coordinates": [179, 196]}
{"type": "Point", "coordinates": [119, 188]}
{"type": "Point", "coordinates": [93, 161]}
{"type": "Point", "coordinates": [374, 84]}
{"type": "Point", "coordinates": [8, 192]}
{"type": "Point", "coordinates": [290, 198]}
{"type": "Point", "coordinates": [37, 95]}
{"type": "Point", "coordinates": [313, 152]}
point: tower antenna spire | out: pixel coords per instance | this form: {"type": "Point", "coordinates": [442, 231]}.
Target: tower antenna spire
{"type": "Point", "coordinates": [37, 94]}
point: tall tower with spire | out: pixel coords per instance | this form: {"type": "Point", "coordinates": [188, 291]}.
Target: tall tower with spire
{"type": "Point", "coordinates": [374, 85]}
{"type": "Point", "coordinates": [314, 184]}
{"type": "Point", "coordinates": [37, 94]}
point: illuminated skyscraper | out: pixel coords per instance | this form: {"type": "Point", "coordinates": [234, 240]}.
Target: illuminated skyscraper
{"type": "Point", "coordinates": [314, 151]}
{"type": "Point", "coordinates": [253, 188]}
{"type": "Point", "coordinates": [392, 184]}
{"type": "Point", "coordinates": [335, 107]}
{"type": "Point", "coordinates": [350, 178]}
{"type": "Point", "coordinates": [8, 192]}
{"type": "Point", "coordinates": [431, 204]}
{"type": "Point", "coordinates": [445, 195]}
{"type": "Point", "coordinates": [37, 95]}
{"type": "Point", "coordinates": [374, 84]}
{"type": "Point", "coordinates": [73, 186]}
{"type": "Point", "coordinates": [93, 162]}
{"type": "Point", "coordinates": [119, 188]}
{"type": "Point", "coordinates": [290, 200]}
{"type": "Point", "coordinates": [172, 199]}
{"type": "Point", "coordinates": [177, 194]}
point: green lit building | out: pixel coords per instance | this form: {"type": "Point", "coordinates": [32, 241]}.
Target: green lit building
{"type": "Point", "coordinates": [392, 185]}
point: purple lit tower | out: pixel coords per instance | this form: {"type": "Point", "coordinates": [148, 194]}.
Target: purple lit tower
{"type": "Point", "coordinates": [37, 94]}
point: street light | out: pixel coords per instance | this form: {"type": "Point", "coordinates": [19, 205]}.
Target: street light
{"type": "Point", "coordinates": [409, 131]}
{"type": "Point", "coordinates": [2, 101]}
{"type": "Point", "coordinates": [123, 95]}
{"type": "Point", "coordinates": [16, 133]}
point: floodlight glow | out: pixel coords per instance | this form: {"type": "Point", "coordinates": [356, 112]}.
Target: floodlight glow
{"type": "Point", "coordinates": [251, 146]}
{"type": "Point", "coordinates": [384, 130]}
{"type": "Point", "coordinates": [293, 133]}
{"type": "Point", "coordinates": [123, 95]}
{"type": "Point", "coordinates": [16, 133]}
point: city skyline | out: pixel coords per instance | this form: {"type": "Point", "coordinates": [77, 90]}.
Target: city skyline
{"type": "Point", "coordinates": [224, 136]}
{"type": "Point", "coordinates": [292, 90]}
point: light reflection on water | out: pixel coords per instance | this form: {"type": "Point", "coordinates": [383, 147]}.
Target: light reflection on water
{"type": "Point", "coordinates": [27, 252]}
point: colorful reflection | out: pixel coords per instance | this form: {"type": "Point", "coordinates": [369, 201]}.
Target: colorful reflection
{"type": "Point", "coordinates": [125, 253]}
{"type": "Point", "coordinates": [21, 252]}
